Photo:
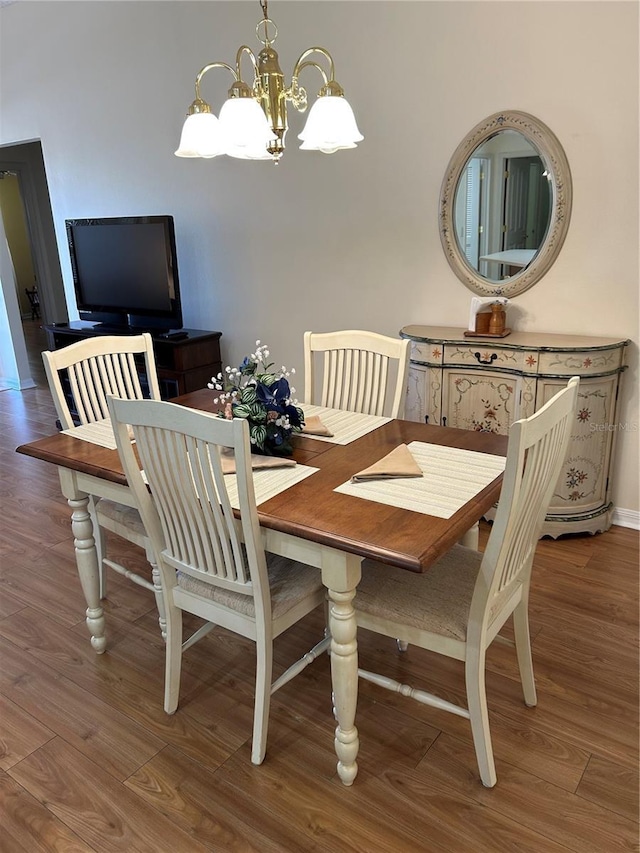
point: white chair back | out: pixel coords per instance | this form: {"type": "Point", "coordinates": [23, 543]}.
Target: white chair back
{"type": "Point", "coordinates": [97, 368]}
{"type": "Point", "coordinates": [537, 447]}
{"type": "Point", "coordinates": [357, 371]}
{"type": "Point", "coordinates": [190, 520]}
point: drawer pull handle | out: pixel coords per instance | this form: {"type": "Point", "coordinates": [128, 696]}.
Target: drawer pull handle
{"type": "Point", "coordinates": [489, 360]}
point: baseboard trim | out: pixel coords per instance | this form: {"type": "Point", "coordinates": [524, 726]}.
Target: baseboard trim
{"type": "Point", "coordinates": [626, 518]}
{"type": "Point", "coordinates": [16, 384]}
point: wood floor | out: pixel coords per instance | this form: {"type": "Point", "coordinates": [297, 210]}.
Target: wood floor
{"type": "Point", "coordinates": [90, 762]}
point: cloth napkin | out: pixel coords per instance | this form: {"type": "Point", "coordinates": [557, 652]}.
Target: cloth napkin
{"type": "Point", "coordinates": [398, 463]}
{"type": "Point", "coordinates": [228, 461]}
{"type": "Point", "coordinates": [314, 426]}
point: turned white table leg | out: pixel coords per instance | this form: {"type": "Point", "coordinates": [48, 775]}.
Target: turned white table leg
{"type": "Point", "coordinates": [341, 574]}
{"type": "Point", "coordinates": [86, 559]}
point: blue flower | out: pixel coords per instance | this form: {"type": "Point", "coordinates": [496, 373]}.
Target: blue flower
{"type": "Point", "coordinates": [293, 413]}
{"type": "Point", "coordinates": [248, 367]}
{"type": "Point", "coordinates": [274, 397]}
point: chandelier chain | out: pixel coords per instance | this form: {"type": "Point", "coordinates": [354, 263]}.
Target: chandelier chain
{"type": "Point", "coordinates": [263, 6]}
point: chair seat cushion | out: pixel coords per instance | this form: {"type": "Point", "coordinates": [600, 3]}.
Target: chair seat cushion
{"type": "Point", "coordinates": [125, 516]}
{"type": "Point", "coordinates": [437, 601]}
{"type": "Point", "coordinates": [289, 581]}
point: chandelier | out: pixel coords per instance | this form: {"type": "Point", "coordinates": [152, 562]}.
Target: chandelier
{"type": "Point", "coordinates": [252, 124]}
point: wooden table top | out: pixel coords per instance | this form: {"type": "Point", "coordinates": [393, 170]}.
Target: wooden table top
{"type": "Point", "coordinates": [311, 509]}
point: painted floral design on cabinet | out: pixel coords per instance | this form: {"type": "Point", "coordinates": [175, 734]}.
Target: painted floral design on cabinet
{"type": "Point", "coordinates": [581, 480]}
{"type": "Point", "coordinates": [481, 403]}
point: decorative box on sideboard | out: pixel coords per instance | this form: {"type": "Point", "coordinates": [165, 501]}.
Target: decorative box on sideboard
{"type": "Point", "coordinates": [486, 384]}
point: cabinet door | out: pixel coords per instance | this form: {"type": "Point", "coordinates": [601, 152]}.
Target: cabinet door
{"type": "Point", "coordinates": [424, 394]}
{"type": "Point", "coordinates": [415, 407]}
{"type": "Point", "coordinates": [480, 400]}
{"type": "Point", "coordinates": [583, 482]}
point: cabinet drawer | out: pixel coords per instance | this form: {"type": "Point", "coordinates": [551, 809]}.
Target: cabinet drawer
{"type": "Point", "coordinates": [583, 363]}
{"type": "Point", "coordinates": [483, 354]}
{"type": "Point", "coordinates": [426, 353]}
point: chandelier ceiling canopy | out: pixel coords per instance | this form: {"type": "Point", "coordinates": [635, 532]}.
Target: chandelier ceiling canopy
{"type": "Point", "coordinates": [252, 123]}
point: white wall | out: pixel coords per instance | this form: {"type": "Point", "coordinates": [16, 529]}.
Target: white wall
{"type": "Point", "coordinates": [349, 240]}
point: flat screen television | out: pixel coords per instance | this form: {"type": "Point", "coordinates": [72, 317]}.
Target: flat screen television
{"type": "Point", "coordinates": [125, 271]}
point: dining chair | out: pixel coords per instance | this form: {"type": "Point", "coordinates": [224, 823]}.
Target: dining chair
{"type": "Point", "coordinates": [81, 376]}
{"type": "Point", "coordinates": [211, 559]}
{"type": "Point", "coordinates": [458, 606]}
{"type": "Point", "coordinates": [357, 369]}
{"type": "Point", "coordinates": [34, 302]}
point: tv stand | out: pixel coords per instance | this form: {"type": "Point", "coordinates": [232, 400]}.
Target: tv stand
{"type": "Point", "coordinates": [115, 329]}
{"type": "Point", "coordinates": [186, 359]}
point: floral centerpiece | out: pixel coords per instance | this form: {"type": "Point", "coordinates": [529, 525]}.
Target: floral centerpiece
{"type": "Point", "coordinates": [264, 397]}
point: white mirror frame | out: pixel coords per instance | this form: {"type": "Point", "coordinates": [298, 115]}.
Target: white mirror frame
{"type": "Point", "coordinates": [554, 160]}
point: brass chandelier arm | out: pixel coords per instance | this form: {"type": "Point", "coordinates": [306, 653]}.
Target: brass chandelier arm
{"type": "Point", "coordinates": [311, 64]}
{"type": "Point", "coordinates": [301, 63]}
{"type": "Point", "coordinates": [199, 105]}
{"type": "Point", "coordinates": [238, 89]}
{"type": "Point", "coordinates": [241, 50]}
{"type": "Point", "coordinates": [208, 67]}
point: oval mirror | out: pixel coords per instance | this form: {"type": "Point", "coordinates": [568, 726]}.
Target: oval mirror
{"type": "Point", "coordinates": [505, 204]}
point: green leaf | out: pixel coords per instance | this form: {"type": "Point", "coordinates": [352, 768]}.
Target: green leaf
{"type": "Point", "coordinates": [257, 413]}
{"type": "Point", "coordinates": [258, 433]}
{"type": "Point", "coordinates": [241, 410]}
{"type": "Point", "coordinates": [248, 394]}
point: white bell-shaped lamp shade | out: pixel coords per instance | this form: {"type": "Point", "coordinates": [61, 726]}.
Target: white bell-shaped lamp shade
{"type": "Point", "coordinates": [246, 129]}
{"type": "Point", "coordinates": [201, 136]}
{"type": "Point", "coordinates": [331, 125]}
{"type": "Point", "coordinates": [258, 152]}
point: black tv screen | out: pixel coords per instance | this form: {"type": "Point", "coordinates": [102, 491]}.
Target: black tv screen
{"type": "Point", "coordinates": [125, 270]}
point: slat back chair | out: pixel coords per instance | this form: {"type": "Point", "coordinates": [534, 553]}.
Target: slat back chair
{"type": "Point", "coordinates": [34, 302]}
{"type": "Point", "coordinates": [211, 564]}
{"type": "Point", "coordinates": [460, 604]}
{"type": "Point", "coordinates": [357, 370]}
{"type": "Point", "coordinates": [92, 370]}
{"type": "Point", "coordinates": [96, 368]}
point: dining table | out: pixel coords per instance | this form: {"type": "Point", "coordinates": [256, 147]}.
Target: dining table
{"type": "Point", "coordinates": [315, 514]}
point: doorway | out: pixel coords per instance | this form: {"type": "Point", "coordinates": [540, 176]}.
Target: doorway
{"type": "Point", "coordinates": [17, 235]}
{"type": "Point", "coordinates": [526, 203]}
{"type": "Point", "coordinates": [24, 163]}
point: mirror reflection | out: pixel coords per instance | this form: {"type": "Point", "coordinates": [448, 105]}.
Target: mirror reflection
{"type": "Point", "coordinates": [502, 205]}
{"type": "Point", "coordinates": [505, 204]}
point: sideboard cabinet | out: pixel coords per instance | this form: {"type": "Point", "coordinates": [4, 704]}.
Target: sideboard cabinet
{"type": "Point", "coordinates": [486, 384]}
